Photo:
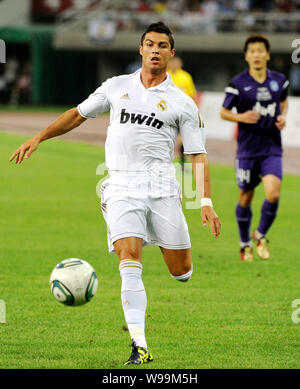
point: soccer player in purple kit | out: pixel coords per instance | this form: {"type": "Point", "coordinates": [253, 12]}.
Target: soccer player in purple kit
{"type": "Point", "coordinates": [260, 98]}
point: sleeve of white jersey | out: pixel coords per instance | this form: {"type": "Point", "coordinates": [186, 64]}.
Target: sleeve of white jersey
{"type": "Point", "coordinates": [191, 128]}
{"type": "Point", "coordinates": [96, 103]}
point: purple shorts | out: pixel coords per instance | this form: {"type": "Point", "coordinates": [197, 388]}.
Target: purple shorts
{"type": "Point", "coordinates": [249, 171]}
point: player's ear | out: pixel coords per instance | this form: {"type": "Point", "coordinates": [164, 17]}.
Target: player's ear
{"type": "Point", "coordinates": [141, 50]}
{"type": "Point", "coordinates": [173, 52]}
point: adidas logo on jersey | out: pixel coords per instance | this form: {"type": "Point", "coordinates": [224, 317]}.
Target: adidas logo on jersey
{"type": "Point", "coordinates": [140, 119]}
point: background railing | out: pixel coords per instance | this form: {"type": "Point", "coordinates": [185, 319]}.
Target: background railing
{"type": "Point", "coordinates": [191, 22]}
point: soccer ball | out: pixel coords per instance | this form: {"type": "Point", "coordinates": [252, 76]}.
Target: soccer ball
{"type": "Point", "coordinates": [73, 282]}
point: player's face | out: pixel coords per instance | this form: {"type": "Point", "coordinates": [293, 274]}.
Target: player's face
{"type": "Point", "coordinates": [156, 52]}
{"type": "Point", "coordinates": [257, 55]}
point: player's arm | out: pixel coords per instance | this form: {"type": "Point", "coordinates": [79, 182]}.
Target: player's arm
{"type": "Point", "coordinates": [232, 99]}
{"type": "Point", "coordinates": [250, 117]}
{"type": "Point", "coordinates": [202, 177]}
{"type": "Point", "coordinates": [63, 124]}
{"type": "Point", "coordinates": [192, 133]}
{"type": "Point", "coordinates": [281, 119]}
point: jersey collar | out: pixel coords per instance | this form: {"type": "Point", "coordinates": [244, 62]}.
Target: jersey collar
{"type": "Point", "coordinates": [162, 86]}
{"type": "Point", "coordinates": [250, 78]}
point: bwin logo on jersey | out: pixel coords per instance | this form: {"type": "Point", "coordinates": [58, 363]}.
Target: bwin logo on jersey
{"type": "Point", "coordinates": [264, 111]}
{"type": "Point", "coordinates": [135, 118]}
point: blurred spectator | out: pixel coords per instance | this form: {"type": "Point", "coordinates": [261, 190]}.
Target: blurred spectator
{"type": "Point", "coordinates": [241, 5]}
{"type": "Point", "coordinates": [21, 91]}
{"type": "Point", "coordinates": [209, 7]}
{"type": "Point", "coordinates": [160, 6]}
{"type": "Point", "coordinates": [8, 78]}
{"type": "Point", "coordinates": [11, 70]}
{"type": "Point", "coordinates": [198, 16]}
{"type": "Point", "coordinates": [2, 91]}
{"type": "Point", "coordinates": [177, 6]}
{"type": "Point", "coordinates": [225, 6]}
{"type": "Point", "coordinates": [249, 22]}
{"type": "Point", "coordinates": [226, 23]}
{"type": "Point", "coordinates": [284, 6]}
{"type": "Point", "coordinates": [143, 6]}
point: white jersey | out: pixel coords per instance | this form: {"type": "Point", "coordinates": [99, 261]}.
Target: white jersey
{"type": "Point", "coordinates": [144, 125]}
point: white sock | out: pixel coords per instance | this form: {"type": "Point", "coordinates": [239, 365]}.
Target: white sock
{"type": "Point", "coordinates": [244, 244]}
{"type": "Point", "coordinates": [134, 299]}
{"type": "Point", "coordinates": [258, 234]}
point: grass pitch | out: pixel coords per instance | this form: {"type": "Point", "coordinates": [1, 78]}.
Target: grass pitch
{"type": "Point", "coordinates": [230, 315]}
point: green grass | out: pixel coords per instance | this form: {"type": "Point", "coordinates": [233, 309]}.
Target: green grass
{"type": "Point", "coordinates": [34, 108]}
{"type": "Point", "coordinates": [37, 108]}
{"type": "Point", "coordinates": [230, 315]}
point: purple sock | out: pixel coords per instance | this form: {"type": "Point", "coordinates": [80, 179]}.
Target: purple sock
{"type": "Point", "coordinates": [243, 217]}
{"type": "Point", "coordinates": [268, 214]}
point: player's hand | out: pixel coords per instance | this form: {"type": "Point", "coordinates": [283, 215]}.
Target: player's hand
{"type": "Point", "coordinates": [280, 122]}
{"type": "Point", "coordinates": [209, 215]}
{"type": "Point", "coordinates": [250, 117]}
{"type": "Point", "coordinates": [25, 150]}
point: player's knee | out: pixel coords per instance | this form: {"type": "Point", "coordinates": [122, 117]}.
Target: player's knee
{"type": "Point", "coordinates": [245, 198]}
{"type": "Point", "coordinates": [273, 197]}
{"type": "Point", "coordinates": [183, 276]}
{"type": "Point", "coordinates": [128, 253]}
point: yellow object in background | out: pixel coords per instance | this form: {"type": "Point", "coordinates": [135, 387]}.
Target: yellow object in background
{"type": "Point", "coordinates": [181, 78]}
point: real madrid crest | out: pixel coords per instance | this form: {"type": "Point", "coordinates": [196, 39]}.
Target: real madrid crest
{"type": "Point", "coordinates": [162, 105]}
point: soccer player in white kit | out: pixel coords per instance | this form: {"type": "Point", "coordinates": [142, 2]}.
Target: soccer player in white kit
{"type": "Point", "coordinates": [141, 199]}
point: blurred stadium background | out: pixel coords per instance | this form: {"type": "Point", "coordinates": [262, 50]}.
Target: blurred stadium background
{"type": "Point", "coordinates": [58, 51]}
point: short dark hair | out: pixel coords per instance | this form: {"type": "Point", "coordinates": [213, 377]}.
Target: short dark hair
{"type": "Point", "coordinates": [161, 28]}
{"type": "Point", "coordinates": [257, 38]}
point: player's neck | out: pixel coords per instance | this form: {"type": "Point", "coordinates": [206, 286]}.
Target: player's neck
{"type": "Point", "coordinates": [259, 75]}
{"type": "Point", "coordinates": [150, 79]}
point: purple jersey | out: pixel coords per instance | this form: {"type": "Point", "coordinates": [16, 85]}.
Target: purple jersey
{"type": "Point", "coordinates": [244, 93]}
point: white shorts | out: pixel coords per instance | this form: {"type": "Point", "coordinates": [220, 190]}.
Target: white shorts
{"type": "Point", "coordinates": [158, 221]}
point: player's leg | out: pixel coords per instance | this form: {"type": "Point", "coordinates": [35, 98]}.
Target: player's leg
{"type": "Point", "coordinates": [133, 295]}
{"type": "Point", "coordinates": [168, 229]}
{"type": "Point", "coordinates": [179, 263]}
{"type": "Point", "coordinates": [271, 168]}
{"type": "Point", "coordinates": [129, 248]}
{"type": "Point", "coordinates": [272, 186]}
{"type": "Point", "coordinates": [243, 214]}
{"type": "Point", "coordinates": [247, 178]}
{"type": "Point", "coordinates": [126, 224]}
